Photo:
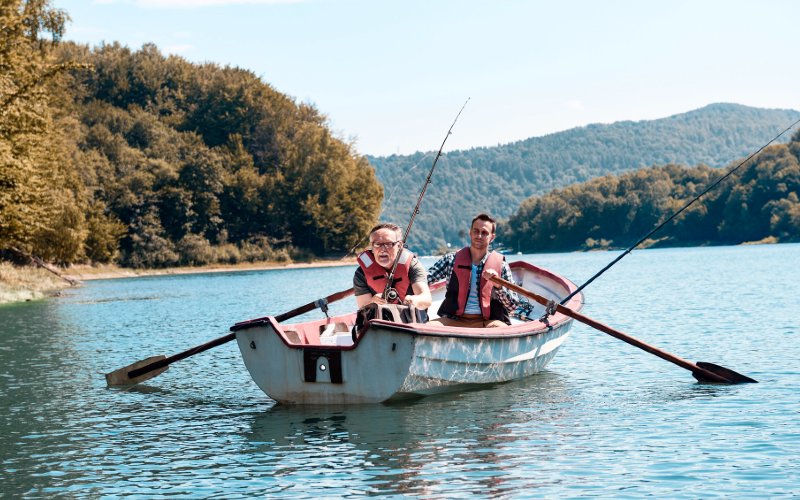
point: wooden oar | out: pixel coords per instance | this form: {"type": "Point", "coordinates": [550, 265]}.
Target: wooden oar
{"type": "Point", "coordinates": [702, 371]}
{"type": "Point", "coordinates": [155, 365]}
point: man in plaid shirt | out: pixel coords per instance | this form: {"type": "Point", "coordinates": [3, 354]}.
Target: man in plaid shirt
{"type": "Point", "coordinates": [471, 299]}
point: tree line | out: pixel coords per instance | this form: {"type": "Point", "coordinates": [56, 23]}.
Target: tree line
{"type": "Point", "coordinates": [498, 179]}
{"type": "Point", "coordinates": [757, 203]}
{"type": "Point", "coordinates": [114, 155]}
{"type": "Point", "coordinates": [109, 154]}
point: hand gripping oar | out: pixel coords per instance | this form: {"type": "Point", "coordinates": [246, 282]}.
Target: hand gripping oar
{"type": "Point", "coordinates": [155, 365]}
{"type": "Point", "coordinates": [703, 372]}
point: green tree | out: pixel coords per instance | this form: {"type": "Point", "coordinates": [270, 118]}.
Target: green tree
{"type": "Point", "coordinates": [758, 202]}
{"type": "Point", "coordinates": [196, 158]}
{"type": "Point", "coordinates": [104, 234]}
{"type": "Point", "coordinates": [498, 179]}
{"type": "Point", "coordinates": [149, 246]}
{"type": "Point", "coordinates": [41, 200]}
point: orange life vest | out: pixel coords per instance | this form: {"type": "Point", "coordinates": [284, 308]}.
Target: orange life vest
{"type": "Point", "coordinates": [455, 300]}
{"type": "Point", "coordinates": [376, 275]}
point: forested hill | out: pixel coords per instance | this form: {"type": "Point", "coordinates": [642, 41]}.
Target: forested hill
{"type": "Point", "coordinates": [498, 179]}
{"type": "Point", "coordinates": [758, 202]}
{"type": "Point", "coordinates": [109, 154]}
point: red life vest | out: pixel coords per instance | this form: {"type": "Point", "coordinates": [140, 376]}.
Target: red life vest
{"type": "Point", "coordinates": [376, 275]}
{"type": "Point", "coordinates": [462, 268]}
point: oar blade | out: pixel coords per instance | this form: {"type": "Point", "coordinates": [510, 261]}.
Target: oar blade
{"type": "Point", "coordinates": [120, 377]}
{"type": "Point", "coordinates": [726, 373]}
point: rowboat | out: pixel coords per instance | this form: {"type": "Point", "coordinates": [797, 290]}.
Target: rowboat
{"type": "Point", "coordinates": [386, 358]}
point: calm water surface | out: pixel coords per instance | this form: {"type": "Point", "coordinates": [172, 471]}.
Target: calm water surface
{"type": "Point", "coordinates": [604, 420]}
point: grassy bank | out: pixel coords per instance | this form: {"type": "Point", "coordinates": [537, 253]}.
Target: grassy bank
{"type": "Point", "coordinates": [23, 283]}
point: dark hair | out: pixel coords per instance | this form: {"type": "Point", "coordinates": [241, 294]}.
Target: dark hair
{"type": "Point", "coordinates": [387, 225]}
{"type": "Point", "coordinates": [485, 217]}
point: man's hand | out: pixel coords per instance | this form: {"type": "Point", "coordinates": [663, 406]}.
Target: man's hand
{"type": "Point", "coordinates": [412, 300]}
{"type": "Point", "coordinates": [487, 275]}
{"type": "Point", "coordinates": [377, 299]}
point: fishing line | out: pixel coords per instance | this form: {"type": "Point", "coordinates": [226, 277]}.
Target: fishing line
{"type": "Point", "coordinates": [403, 178]}
{"type": "Point", "coordinates": [362, 241]}
{"type": "Point", "coordinates": [671, 217]}
{"type": "Point", "coordinates": [390, 293]}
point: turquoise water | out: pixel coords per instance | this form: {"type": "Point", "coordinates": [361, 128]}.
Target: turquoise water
{"type": "Point", "coordinates": [604, 420]}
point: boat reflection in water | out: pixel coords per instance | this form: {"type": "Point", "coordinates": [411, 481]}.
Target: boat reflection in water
{"type": "Point", "coordinates": [469, 440]}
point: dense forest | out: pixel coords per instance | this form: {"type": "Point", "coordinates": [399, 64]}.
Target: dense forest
{"type": "Point", "coordinates": [109, 154]}
{"type": "Point", "coordinates": [758, 202]}
{"type": "Point", "coordinates": [113, 155]}
{"type": "Point", "coordinates": [498, 179]}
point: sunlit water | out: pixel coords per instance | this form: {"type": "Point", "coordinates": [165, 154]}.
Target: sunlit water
{"type": "Point", "coordinates": [604, 420]}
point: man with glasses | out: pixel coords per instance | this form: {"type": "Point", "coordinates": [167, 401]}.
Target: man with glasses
{"type": "Point", "coordinates": [374, 265]}
{"type": "Point", "coordinates": [471, 299]}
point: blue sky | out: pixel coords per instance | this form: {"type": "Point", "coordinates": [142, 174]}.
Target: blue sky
{"type": "Point", "coordinates": [391, 75]}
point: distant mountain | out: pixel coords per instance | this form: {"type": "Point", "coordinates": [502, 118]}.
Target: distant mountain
{"type": "Point", "coordinates": [497, 179]}
{"type": "Point", "coordinates": [758, 203]}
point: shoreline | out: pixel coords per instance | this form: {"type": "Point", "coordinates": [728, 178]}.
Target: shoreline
{"type": "Point", "coordinates": [28, 283]}
{"type": "Point", "coordinates": [90, 273]}
{"type": "Point", "coordinates": [25, 284]}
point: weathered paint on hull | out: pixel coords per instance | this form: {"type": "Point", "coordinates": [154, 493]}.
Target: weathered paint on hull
{"type": "Point", "coordinates": [389, 364]}
{"type": "Point", "coordinates": [370, 373]}
{"type": "Point", "coordinates": [394, 361]}
{"type": "Point", "coordinates": [432, 374]}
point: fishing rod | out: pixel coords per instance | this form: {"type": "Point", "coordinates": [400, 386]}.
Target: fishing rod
{"type": "Point", "coordinates": [671, 217]}
{"type": "Point", "coordinates": [389, 293]}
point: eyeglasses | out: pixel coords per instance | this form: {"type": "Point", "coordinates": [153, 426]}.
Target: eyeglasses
{"type": "Point", "coordinates": [386, 246]}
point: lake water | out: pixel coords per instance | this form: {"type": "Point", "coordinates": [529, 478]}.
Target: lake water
{"type": "Point", "coordinates": [604, 420]}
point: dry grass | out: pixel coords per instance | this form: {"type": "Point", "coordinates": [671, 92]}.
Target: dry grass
{"type": "Point", "coordinates": [23, 283]}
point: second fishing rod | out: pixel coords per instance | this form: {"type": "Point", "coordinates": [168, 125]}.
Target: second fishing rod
{"type": "Point", "coordinates": [675, 214]}
{"type": "Point", "coordinates": [389, 293]}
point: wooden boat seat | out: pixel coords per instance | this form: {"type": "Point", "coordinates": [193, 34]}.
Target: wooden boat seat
{"type": "Point", "coordinates": [333, 328]}
{"type": "Point", "coordinates": [312, 336]}
{"type": "Point", "coordinates": [292, 336]}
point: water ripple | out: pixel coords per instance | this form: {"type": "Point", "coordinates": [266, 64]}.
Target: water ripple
{"type": "Point", "coordinates": [605, 420]}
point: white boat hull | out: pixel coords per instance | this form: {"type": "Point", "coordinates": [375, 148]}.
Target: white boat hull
{"type": "Point", "coordinates": [293, 364]}
{"type": "Point", "coordinates": [444, 364]}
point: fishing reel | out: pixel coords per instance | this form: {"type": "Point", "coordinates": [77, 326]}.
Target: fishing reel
{"type": "Point", "coordinates": [391, 296]}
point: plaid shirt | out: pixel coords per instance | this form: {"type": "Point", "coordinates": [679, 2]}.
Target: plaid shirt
{"type": "Point", "coordinates": [443, 269]}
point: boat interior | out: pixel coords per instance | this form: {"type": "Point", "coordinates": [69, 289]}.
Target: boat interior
{"type": "Point", "coordinates": [337, 330]}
